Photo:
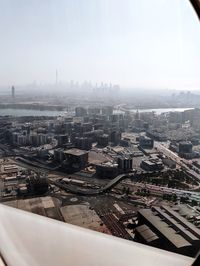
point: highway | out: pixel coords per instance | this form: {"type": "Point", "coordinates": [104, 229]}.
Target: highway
{"type": "Point", "coordinates": [115, 181]}
{"type": "Point", "coordinates": [180, 161]}
{"type": "Point", "coordinates": [77, 190]}
{"type": "Point", "coordinates": [81, 191]}
{"type": "Point", "coordinates": [160, 190]}
{"type": "Point", "coordinates": [167, 152]}
{"type": "Point", "coordinates": [167, 190]}
{"type": "Point", "coordinates": [9, 152]}
{"type": "Point", "coordinates": [36, 164]}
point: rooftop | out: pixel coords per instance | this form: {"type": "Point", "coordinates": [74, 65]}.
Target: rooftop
{"type": "Point", "coordinates": [109, 164]}
{"type": "Point", "coordinates": [177, 240]}
{"type": "Point", "coordinates": [192, 228]}
{"type": "Point", "coordinates": [146, 233]}
{"type": "Point", "coordinates": [76, 152]}
{"type": "Point", "coordinates": [177, 226]}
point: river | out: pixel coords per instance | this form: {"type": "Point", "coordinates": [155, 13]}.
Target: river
{"type": "Point", "coordinates": [25, 112]}
{"type": "Point", "coordinates": [161, 110]}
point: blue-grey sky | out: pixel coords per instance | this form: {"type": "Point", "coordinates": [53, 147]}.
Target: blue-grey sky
{"type": "Point", "coordinates": [129, 42]}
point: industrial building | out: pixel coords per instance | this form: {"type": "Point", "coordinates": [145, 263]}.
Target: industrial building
{"type": "Point", "coordinates": [166, 228]}
{"type": "Point", "coordinates": [145, 235]}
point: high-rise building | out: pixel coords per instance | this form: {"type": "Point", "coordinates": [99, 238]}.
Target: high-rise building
{"type": "Point", "coordinates": [185, 149]}
{"type": "Point", "coordinates": [80, 111]}
{"type": "Point", "coordinates": [13, 92]}
{"type": "Point", "coordinates": [62, 139]}
{"type": "Point", "coordinates": [83, 143]}
{"type": "Point", "coordinates": [103, 140]}
{"type": "Point", "coordinates": [125, 163]}
{"type": "Point", "coordinates": [115, 137]}
{"type": "Point", "coordinates": [145, 142]}
{"type": "Point", "coordinates": [107, 110]}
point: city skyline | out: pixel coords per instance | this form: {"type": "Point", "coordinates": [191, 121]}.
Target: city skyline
{"type": "Point", "coordinates": [127, 44]}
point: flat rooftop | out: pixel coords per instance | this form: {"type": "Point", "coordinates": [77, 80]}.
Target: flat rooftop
{"type": "Point", "coordinates": [76, 152]}
{"type": "Point", "coordinates": [109, 164]}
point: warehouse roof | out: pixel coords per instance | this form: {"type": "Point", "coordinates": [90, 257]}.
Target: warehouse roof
{"type": "Point", "coordinates": [146, 233]}
{"type": "Point", "coordinates": [169, 233]}
{"type": "Point", "coordinates": [192, 228]}
{"type": "Point", "coordinates": [177, 226]}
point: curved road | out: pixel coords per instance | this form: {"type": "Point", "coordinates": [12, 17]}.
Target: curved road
{"type": "Point", "coordinates": [74, 189]}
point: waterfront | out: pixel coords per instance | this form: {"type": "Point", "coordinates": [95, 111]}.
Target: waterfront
{"type": "Point", "coordinates": [27, 112]}
{"type": "Point", "coordinates": [161, 110]}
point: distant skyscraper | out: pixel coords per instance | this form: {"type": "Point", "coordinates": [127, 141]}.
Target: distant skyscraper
{"type": "Point", "coordinates": [56, 76]}
{"type": "Point", "coordinates": [13, 92]}
{"type": "Point", "coordinates": [137, 115]}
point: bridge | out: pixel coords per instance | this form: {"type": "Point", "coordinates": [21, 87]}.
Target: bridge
{"type": "Point", "coordinates": [80, 191]}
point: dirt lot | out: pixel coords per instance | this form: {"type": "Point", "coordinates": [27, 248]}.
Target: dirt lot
{"type": "Point", "coordinates": [82, 215]}
{"type": "Point", "coordinates": [45, 206]}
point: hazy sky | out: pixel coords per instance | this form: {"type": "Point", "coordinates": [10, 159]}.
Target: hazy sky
{"type": "Point", "coordinates": [129, 42]}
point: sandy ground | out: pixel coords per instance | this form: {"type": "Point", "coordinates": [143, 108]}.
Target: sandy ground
{"type": "Point", "coordinates": [82, 215]}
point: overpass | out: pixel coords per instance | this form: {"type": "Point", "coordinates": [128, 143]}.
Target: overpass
{"type": "Point", "coordinates": [36, 164]}
{"type": "Point", "coordinates": [80, 191]}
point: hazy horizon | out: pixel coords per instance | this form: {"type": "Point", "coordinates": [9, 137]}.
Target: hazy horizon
{"type": "Point", "coordinates": [136, 44]}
